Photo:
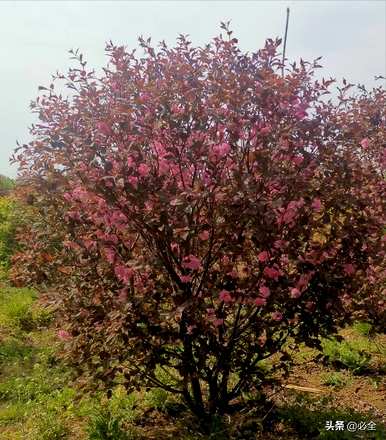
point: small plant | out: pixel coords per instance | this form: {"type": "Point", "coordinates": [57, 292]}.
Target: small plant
{"type": "Point", "coordinates": [363, 328]}
{"type": "Point", "coordinates": [16, 308]}
{"type": "Point", "coordinates": [157, 398]}
{"type": "Point", "coordinates": [344, 354]}
{"type": "Point", "coordinates": [50, 427]}
{"type": "Point", "coordinates": [105, 425]}
{"type": "Point", "coordinates": [42, 316]}
{"type": "Point", "coordinates": [335, 379]}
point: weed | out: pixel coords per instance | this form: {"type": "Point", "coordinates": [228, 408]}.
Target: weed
{"type": "Point", "coordinates": [105, 425]}
{"type": "Point", "coordinates": [363, 328]}
{"type": "Point", "coordinates": [49, 427]}
{"type": "Point", "coordinates": [15, 308]}
{"type": "Point", "coordinates": [335, 379]}
{"type": "Point", "coordinates": [344, 354]}
{"type": "Point", "coordinates": [12, 413]}
{"type": "Point", "coordinates": [157, 398]}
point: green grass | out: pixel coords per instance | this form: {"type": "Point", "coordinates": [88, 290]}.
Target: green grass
{"type": "Point", "coordinates": [38, 400]}
{"type": "Point", "coordinates": [335, 379]}
{"type": "Point", "coordinates": [308, 418]}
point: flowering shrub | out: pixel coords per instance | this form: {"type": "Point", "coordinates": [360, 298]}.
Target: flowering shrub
{"type": "Point", "coordinates": [208, 209]}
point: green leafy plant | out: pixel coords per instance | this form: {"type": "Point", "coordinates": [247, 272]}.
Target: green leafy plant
{"type": "Point", "coordinates": [346, 355]}
{"type": "Point", "coordinates": [157, 398]}
{"type": "Point", "coordinates": [105, 425]}
{"type": "Point", "coordinates": [336, 379]}
{"type": "Point", "coordinates": [363, 328]}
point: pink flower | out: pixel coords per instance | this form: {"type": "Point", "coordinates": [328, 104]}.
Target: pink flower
{"type": "Point", "coordinates": [225, 296]}
{"type": "Point", "coordinates": [218, 322]}
{"type": "Point", "coordinates": [64, 335]}
{"type": "Point", "coordinates": [225, 260]}
{"type": "Point", "coordinates": [263, 256]}
{"type": "Point", "coordinates": [222, 150]}
{"type": "Point", "coordinates": [143, 170]}
{"type": "Point", "coordinates": [123, 273]}
{"type": "Point", "coordinates": [204, 235]}
{"type": "Point", "coordinates": [133, 181]}
{"type": "Point", "coordinates": [260, 301]}
{"type": "Point", "coordinates": [349, 269]}
{"type": "Point", "coordinates": [110, 255]}
{"type": "Point", "coordinates": [316, 205]}
{"type": "Point", "coordinates": [191, 262]}
{"type": "Point", "coordinates": [185, 278]}
{"type": "Point", "coordinates": [272, 273]}
{"type": "Point", "coordinates": [163, 166]}
{"type": "Point", "coordinates": [277, 316]}
{"type": "Point", "coordinates": [301, 114]}
{"type": "Point", "coordinates": [304, 280]}
{"type": "Point", "coordinates": [295, 293]}
{"type": "Point", "coordinates": [264, 291]}
{"type": "Point", "coordinates": [130, 162]}
{"type": "Point", "coordinates": [365, 143]}
{"type": "Point", "coordinates": [265, 130]}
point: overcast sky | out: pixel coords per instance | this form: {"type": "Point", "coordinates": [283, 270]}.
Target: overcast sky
{"type": "Point", "coordinates": [35, 37]}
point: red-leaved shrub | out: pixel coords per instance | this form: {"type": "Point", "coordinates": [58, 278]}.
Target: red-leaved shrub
{"type": "Point", "coordinates": [206, 210]}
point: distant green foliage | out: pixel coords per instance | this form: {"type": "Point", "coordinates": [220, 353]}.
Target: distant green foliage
{"type": "Point", "coordinates": [18, 312]}
{"type": "Point", "coordinates": [6, 183]}
{"type": "Point", "coordinates": [9, 219]}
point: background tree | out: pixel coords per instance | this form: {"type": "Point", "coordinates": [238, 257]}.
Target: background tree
{"type": "Point", "coordinates": [206, 211]}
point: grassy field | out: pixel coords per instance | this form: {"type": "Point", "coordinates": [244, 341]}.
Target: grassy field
{"type": "Point", "coordinates": [40, 398]}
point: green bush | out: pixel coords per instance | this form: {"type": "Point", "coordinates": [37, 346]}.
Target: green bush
{"type": "Point", "coordinates": [9, 219]}
{"type": "Point", "coordinates": [344, 354]}
{"type": "Point", "coordinates": [6, 183]}
{"type": "Point", "coordinates": [19, 310]}
{"type": "Point", "coordinates": [16, 308]}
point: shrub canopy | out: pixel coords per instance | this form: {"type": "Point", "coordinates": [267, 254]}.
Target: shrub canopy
{"type": "Point", "coordinates": [206, 209]}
